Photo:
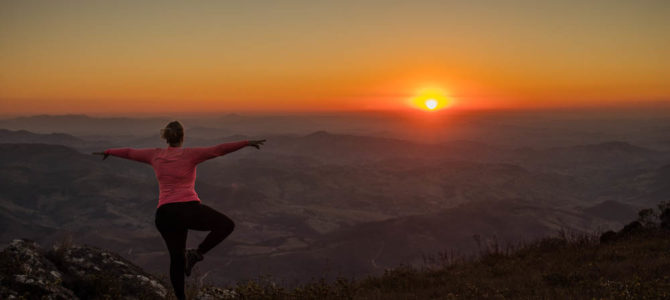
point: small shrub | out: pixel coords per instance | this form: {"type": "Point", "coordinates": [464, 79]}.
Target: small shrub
{"type": "Point", "coordinates": [632, 227]}
{"type": "Point", "coordinates": [608, 237]}
{"type": "Point", "coordinates": [664, 208]}
{"type": "Point", "coordinates": [647, 217]}
{"type": "Point", "coordinates": [59, 251]}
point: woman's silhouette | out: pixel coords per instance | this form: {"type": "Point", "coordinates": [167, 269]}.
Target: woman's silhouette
{"type": "Point", "coordinates": [179, 208]}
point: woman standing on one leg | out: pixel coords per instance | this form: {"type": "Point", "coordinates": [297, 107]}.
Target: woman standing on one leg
{"type": "Point", "coordinates": [179, 208]}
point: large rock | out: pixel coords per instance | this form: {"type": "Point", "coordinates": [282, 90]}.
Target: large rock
{"type": "Point", "coordinates": [26, 273]}
{"type": "Point", "coordinates": [91, 272]}
{"type": "Point", "coordinates": [81, 272]}
{"type": "Point", "coordinates": [72, 272]}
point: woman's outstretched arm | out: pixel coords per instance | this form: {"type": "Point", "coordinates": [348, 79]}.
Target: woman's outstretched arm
{"type": "Point", "coordinates": [201, 154]}
{"type": "Point", "coordinates": [141, 155]}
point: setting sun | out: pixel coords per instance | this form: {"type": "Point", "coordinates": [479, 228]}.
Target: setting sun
{"type": "Point", "coordinates": [431, 104]}
{"type": "Point", "coordinates": [431, 99]}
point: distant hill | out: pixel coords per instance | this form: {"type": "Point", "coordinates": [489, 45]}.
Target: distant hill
{"type": "Point", "coordinates": [603, 155]}
{"type": "Point", "coordinates": [563, 267]}
{"type": "Point", "coordinates": [502, 129]}
{"type": "Point", "coordinates": [343, 148]}
{"type": "Point", "coordinates": [651, 185]}
{"type": "Point", "coordinates": [27, 137]}
{"type": "Point", "coordinates": [83, 124]}
{"type": "Point", "coordinates": [613, 210]}
{"type": "Point", "coordinates": [23, 136]}
{"type": "Point", "coordinates": [369, 248]}
{"type": "Point", "coordinates": [52, 188]}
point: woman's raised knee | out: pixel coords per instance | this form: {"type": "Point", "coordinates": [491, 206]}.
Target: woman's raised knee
{"type": "Point", "coordinates": [230, 225]}
{"type": "Point", "coordinates": [225, 225]}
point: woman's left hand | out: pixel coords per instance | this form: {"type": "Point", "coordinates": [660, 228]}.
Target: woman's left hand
{"type": "Point", "coordinates": [104, 155]}
{"type": "Point", "coordinates": [256, 144]}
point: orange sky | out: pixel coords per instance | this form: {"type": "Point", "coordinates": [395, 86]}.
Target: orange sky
{"type": "Point", "coordinates": [218, 56]}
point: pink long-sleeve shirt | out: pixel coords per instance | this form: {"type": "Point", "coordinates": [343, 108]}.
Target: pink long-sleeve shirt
{"type": "Point", "coordinates": [175, 167]}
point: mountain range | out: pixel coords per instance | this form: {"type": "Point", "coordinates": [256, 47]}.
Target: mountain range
{"type": "Point", "coordinates": [326, 203]}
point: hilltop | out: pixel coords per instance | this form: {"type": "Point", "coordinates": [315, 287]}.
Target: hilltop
{"type": "Point", "coordinates": [629, 264]}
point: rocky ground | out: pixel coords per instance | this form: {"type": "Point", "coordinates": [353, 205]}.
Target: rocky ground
{"type": "Point", "coordinates": [631, 263]}
{"type": "Point", "coordinates": [28, 271]}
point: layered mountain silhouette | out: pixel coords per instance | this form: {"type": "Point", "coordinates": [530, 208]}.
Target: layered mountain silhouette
{"type": "Point", "coordinates": [327, 203]}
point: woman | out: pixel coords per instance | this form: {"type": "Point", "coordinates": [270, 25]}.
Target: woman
{"type": "Point", "coordinates": [179, 208]}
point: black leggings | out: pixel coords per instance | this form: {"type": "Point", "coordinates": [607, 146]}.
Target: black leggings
{"type": "Point", "coordinates": [173, 221]}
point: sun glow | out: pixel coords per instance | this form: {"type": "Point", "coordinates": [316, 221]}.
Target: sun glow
{"type": "Point", "coordinates": [431, 99]}
{"type": "Point", "coordinates": [431, 104]}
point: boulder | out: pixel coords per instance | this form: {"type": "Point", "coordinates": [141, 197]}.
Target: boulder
{"type": "Point", "coordinates": [72, 272]}
{"type": "Point", "coordinates": [91, 272]}
{"type": "Point", "coordinates": [26, 273]}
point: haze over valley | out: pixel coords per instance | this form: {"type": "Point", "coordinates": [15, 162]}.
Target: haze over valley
{"type": "Point", "coordinates": [342, 194]}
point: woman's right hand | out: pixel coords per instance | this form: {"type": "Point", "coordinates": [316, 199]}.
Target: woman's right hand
{"type": "Point", "coordinates": [104, 155]}
{"type": "Point", "coordinates": [256, 144]}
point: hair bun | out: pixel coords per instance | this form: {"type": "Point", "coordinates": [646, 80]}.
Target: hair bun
{"type": "Point", "coordinates": [173, 133]}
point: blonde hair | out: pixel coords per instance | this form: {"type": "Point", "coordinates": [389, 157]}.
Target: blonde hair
{"type": "Point", "coordinates": [173, 133]}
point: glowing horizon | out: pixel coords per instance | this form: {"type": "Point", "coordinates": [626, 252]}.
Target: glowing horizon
{"type": "Point", "coordinates": [155, 57]}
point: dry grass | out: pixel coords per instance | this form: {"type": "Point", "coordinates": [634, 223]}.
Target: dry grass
{"type": "Point", "coordinates": [569, 266]}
